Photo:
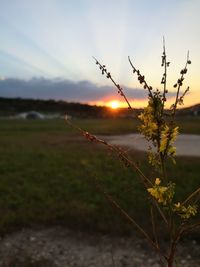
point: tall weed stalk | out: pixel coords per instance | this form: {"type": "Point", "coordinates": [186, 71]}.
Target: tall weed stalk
{"type": "Point", "coordinates": [158, 126]}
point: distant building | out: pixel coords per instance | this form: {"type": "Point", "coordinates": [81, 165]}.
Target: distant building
{"type": "Point", "coordinates": [196, 110]}
{"type": "Point", "coordinates": [32, 115]}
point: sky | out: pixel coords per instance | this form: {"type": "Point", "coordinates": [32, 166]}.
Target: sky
{"type": "Point", "coordinates": [46, 48]}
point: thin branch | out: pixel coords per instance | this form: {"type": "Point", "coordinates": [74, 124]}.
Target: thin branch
{"type": "Point", "coordinates": [108, 75]}
{"type": "Point", "coordinates": [141, 78]}
{"type": "Point", "coordinates": [179, 84]}
{"type": "Point", "coordinates": [191, 227]}
{"type": "Point", "coordinates": [121, 154]}
{"type": "Point", "coordinates": [173, 244]}
{"type": "Point", "coordinates": [128, 218]}
{"type": "Point", "coordinates": [153, 202]}
{"type": "Point", "coordinates": [191, 196]}
{"type": "Point", "coordinates": [154, 226]}
{"type": "Point", "coordinates": [180, 100]}
{"type": "Point", "coordinates": [164, 64]}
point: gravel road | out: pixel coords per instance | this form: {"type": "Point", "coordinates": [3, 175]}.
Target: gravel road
{"type": "Point", "coordinates": [60, 247]}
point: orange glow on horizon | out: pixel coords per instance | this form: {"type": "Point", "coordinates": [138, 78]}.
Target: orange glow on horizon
{"type": "Point", "coordinates": [116, 104]}
{"type": "Point", "coordinates": [141, 103]}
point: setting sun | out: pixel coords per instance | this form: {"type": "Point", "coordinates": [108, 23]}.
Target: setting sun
{"type": "Point", "coordinates": [114, 104]}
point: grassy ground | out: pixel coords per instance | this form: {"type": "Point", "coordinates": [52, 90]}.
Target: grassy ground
{"type": "Point", "coordinates": [46, 169]}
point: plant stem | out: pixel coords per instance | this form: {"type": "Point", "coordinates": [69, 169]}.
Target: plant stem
{"type": "Point", "coordinates": [191, 196]}
{"type": "Point", "coordinates": [131, 220]}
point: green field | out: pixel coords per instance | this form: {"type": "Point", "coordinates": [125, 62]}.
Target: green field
{"type": "Point", "coordinates": [46, 171]}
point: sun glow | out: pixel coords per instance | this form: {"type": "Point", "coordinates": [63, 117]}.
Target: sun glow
{"type": "Point", "coordinates": [114, 104]}
{"type": "Point", "coordinates": [117, 104]}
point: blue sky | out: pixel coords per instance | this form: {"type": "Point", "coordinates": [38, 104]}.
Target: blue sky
{"type": "Point", "coordinates": [55, 40]}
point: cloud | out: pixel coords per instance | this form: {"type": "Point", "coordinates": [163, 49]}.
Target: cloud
{"type": "Point", "coordinates": [60, 89]}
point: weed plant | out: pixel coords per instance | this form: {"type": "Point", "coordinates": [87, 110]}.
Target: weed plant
{"type": "Point", "coordinates": [159, 127]}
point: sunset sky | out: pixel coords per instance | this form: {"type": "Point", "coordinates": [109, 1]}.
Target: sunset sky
{"type": "Point", "coordinates": [46, 47]}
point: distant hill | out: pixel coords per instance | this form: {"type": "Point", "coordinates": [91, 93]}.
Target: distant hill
{"type": "Point", "coordinates": [192, 110]}
{"type": "Point", "coordinates": [13, 106]}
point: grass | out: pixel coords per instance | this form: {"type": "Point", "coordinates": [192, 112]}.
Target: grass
{"type": "Point", "coordinates": [45, 175]}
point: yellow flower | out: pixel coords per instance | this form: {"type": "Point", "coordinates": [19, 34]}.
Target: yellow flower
{"type": "Point", "coordinates": [163, 194]}
{"type": "Point", "coordinates": [158, 193]}
{"type": "Point", "coordinates": [157, 181]}
{"type": "Point", "coordinates": [168, 136]}
{"type": "Point", "coordinates": [174, 134]}
{"type": "Point", "coordinates": [164, 139]}
{"type": "Point", "coordinates": [149, 127]}
{"type": "Point", "coordinates": [185, 212]}
{"type": "Point", "coordinates": [178, 205]}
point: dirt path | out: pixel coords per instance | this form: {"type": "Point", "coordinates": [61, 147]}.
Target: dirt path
{"type": "Point", "coordinates": [187, 144]}
{"type": "Point", "coordinates": [60, 247]}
